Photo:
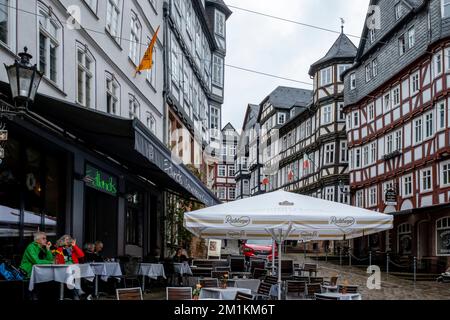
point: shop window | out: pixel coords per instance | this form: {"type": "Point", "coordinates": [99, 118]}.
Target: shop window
{"type": "Point", "coordinates": [404, 239]}
{"type": "Point", "coordinates": [443, 237]}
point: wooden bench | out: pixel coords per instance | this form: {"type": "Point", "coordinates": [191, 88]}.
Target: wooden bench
{"type": "Point", "coordinates": [129, 294]}
{"type": "Point", "coordinates": [179, 293]}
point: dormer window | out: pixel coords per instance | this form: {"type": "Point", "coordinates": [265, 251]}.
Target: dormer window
{"type": "Point", "coordinates": [352, 81]}
{"type": "Point", "coordinates": [398, 11]}
{"type": "Point", "coordinates": [325, 77]}
{"type": "Point", "coordinates": [372, 35]}
{"type": "Point", "coordinates": [445, 8]}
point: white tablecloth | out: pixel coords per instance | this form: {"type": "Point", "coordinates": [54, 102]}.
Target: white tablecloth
{"type": "Point", "coordinates": [106, 269]}
{"type": "Point", "coordinates": [152, 270]}
{"type": "Point", "coordinates": [182, 269]}
{"type": "Point", "coordinates": [222, 294]}
{"type": "Point", "coordinates": [67, 274]}
{"type": "Point", "coordinates": [252, 284]}
{"type": "Point", "coordinates": [341, 296]}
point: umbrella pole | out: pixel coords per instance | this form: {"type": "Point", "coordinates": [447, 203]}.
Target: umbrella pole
{"type": "Point", "coordinates": [273, 256]}
{"type": "Point", "coordinates": [280, 250]}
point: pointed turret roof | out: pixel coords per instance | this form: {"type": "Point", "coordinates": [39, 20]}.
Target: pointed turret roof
{"type": "Point", "coordinates": [342, 49]}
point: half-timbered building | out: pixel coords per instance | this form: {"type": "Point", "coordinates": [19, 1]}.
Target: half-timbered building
{"type": "Point", "coordinates": [397, 110]}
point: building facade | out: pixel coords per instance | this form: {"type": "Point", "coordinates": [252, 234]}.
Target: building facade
{"type": "Point", "coordinates": [243, 174]}
{"type": "Point", "coordinates": [398, 123]}
{"type": "Point", "coordinates": [87, 157]}
{"type": "Point", "coordinates": [194, 87]}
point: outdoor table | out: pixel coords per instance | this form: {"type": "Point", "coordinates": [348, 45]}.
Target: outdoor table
{"type": "Point", "coordinates": [65, 274]}
{"type": "Point", "coordinates": [252, 284]}
{"type": "Point", "coordinates": [105, 270]}
{"type": "Point", "coordinates": [222, 294]}
{"type": "Point", "coordinates": [342, 296]}
{"type": "Point", "coordinates": [182, 269]}
{"type": "Point", "coordinates": [151, 270]}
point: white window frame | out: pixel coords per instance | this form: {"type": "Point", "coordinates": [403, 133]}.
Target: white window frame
{"type": "Point", "coordinates": [231, 171]}
{"type": "Point", "coordinates": [151, 122]}
{"type": "Point", "coordinates": [374, 67]}
{"type": "Point", "coordinates": [114, 18]}
{"type": "Point", "coordinates": [444, 4]}
{"type": "Point", "coordinates": [368, 72]}
{"type": "Point", "coordinates": [326, 76]}
{"type": "Point", "coordinates": [396, 98]}
{"type": "Point", "coordinates": [329, 154]}
{"type": "Point", "coordinates": [341, 114]}
{"type": "Point", "coordinates": [437, 64]}
{"type": "Point", "coordinates": [373, 152]}
{"type": "Point", "coordinates": [444, 174]}
{"type": "Point", "coordinates": [113, 90]}
{"type": "Point", "coordinates": [135, 39]}
{"type": "Point", "coordinates": [218, 71]}
{"type": "Point", "coordinates": [407, 190]}
{"type": "Point", "coordinates": [11, 25]}
{"type": "Point", "coordinates": [220, 24]}
{"type": "Point", "coordinates": [402, 44]}
{"type": "Point", "coordinates": [222, 171]}
{"type": "Point", "coordinates": [222, 193]}
{"type": "Point", "coordinates": [387, 102]}
{"type": "Point", "coordinates": [415, 83]}
{"type": "Point", "coordinates": [352, 81]}
{"type": "Point", "coordinates": [411, 37]}
{"type": "Point", "coordinates": [356, 120]}
{"type": "Point", "coordinates": [329, 193]}
{"type": "Point", "coordinates": [440, 226]}
{"type": "Point", "coordinates": [441, 115]}
{"type": "Point", "coordinates": [371, 112]}
{"type": "Point", "coordinates": [344, 151]}
{"type": "Point", "coordinates": [85, 69]}
{"type": "Point", "coordinates": [327, 114]}
{"type": "Point", "coordinates": [418, 130]}
{"type": "Point", "coordinates": [359, 199]}
{"type": "Point", "coordinates": [428, 128]}
{"type": "Point", "coordinates": [372, 196]}
{"type": "Point", "coordinates": [398, 11]}
{"type": "Point", "coordinates": [134, 108]}
{"type": "Point", "coordinates": [281, 118]}
{"type": "Point", "coordinates": [232, 193]}
{"type": "Point", "coordinates": [429, 174]}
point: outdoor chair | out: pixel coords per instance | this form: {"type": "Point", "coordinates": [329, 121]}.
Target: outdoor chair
{"type": "Point", "coordinates": [324, 297]}
{"type": "Point", "coordinates": [257, 263]}
{"type": "Point", "coordinates": [287, 269]}
{"type": "Point", "coordinates": [209, 283]}
{"type": "Point", "coordinates": [301, 278]}
{"type": "Point", "coordinates": [179, 293]}
{"type": "Point", "coordinates": [271, 280]}
{"type": "Point", "coordinates": [347, 289]}
{"type": "Point", "coordinates": [310, 268]}
{"type": "Point", "coordinates": [130, 269]}
{"type": "Point", "coordinates": [312, 289]}
{"type": "Point", "coordinates": [331, 282]}
{"type": "Point", "coordinates": [259, 273]}
{"type": "Point", "coordinates": [237, 264]}
{"type": "Point", "coordinates": [129, 294]}
{"type": "Point", "coordinates": [295, 288]}
{"type": "Point", "coordinates": [263, 292]}
{"type": "Point", "coordinates": [316, 280]}
{"type": "Point", "coordinates": [222, 269]}
{"type": "Point", "coordinates": [243, 296]}
{"type": "Point", "coordinates": [201, 272]}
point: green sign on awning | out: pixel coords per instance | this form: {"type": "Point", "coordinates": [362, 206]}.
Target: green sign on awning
{"type": "Point", "coordinates": [101, 181]}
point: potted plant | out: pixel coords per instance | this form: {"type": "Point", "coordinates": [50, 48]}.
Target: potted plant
{"type": "Point", "coordinates": [196, 292]}
{"type": "Point", "coordinates": [224, 280]}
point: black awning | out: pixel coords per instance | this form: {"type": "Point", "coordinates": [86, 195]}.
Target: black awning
{"type": "Point", "coordinates": [126, 141]}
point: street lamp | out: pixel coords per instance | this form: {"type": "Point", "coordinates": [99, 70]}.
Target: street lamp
{"type": "Point", "coordinates": [342, 188]}
{"type": "Point", "coordinates": [24, 79]}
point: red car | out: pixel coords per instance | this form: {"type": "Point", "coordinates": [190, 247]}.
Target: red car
{"type": "Point", "coordinates": [258, 248]}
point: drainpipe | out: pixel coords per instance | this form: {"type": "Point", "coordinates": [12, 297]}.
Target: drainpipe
{"type": "Point", "coordinates": [166, 87]}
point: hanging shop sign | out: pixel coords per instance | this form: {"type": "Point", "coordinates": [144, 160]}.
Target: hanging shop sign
{"type": "Point", "coordinates": [100, 180]}
{"type": "Point", "coordinates": [443, 242]}
{"type": "Point", "coordinates": [391, 197]}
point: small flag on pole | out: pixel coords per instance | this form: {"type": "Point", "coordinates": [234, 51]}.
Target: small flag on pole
{"type": "Point", "coordinates": [305, 161]}
{"type": "Point", "coordinates": [147, 60]}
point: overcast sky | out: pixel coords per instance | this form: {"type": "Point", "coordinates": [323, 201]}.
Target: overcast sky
{"type": "Point", "coordinates": [281, 48]}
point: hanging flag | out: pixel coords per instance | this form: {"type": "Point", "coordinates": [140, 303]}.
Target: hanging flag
{"type": "Point", "coordinates": [265, 181]}
{"type": "Point", "coordinates": [147, 60]}
{"type": "Point", "coordinates": [290, 176]}
{"type": "Point", "coordinates": [305, 161]}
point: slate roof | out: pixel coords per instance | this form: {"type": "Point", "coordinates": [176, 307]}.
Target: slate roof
{"type": "Point", "coordinates": [286, 97]}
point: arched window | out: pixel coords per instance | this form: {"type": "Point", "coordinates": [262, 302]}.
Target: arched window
{"type": "Point", "coordinates": [404, 239]}
{"type": "Point", "coordinates": [443, 237]}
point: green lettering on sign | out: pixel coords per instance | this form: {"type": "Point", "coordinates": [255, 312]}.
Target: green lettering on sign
{"type": "Point", "coordinates": [100, 180]}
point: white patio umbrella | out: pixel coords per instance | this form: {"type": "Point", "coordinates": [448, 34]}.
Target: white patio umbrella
{"type": "Point", "coordinates": [284, 216]}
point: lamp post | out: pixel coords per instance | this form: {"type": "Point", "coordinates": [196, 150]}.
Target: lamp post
{"type": "Point", "coordinates": [24, 79]}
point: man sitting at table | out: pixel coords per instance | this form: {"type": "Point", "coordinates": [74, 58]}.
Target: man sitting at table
{"type": "Point", "coordinates": [37, 252]}
{"type": "Point", "coordinates": [98, 248]}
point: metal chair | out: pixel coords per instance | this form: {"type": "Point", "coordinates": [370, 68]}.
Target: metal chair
{"type": "Point", "coordinates": [243, 296]}
{"type": "Point", "coordinates": [178, 293]}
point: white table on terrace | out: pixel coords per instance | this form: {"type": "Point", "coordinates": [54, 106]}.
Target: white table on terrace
{"type": "Point", "coordinates": [105, 270]}
{"type": "Point", "coordinates": [222, 294]}
{"type": "Point", "coordinates": [151, 270]}
{"type": "Point", "coordinates": [182, 269]}
{"type": "Point", "coordinates": [252, 284]}
{"type": "Point", "coordinates": [64, 274]}
{"type": "Point", "coordinates": [342, 296]}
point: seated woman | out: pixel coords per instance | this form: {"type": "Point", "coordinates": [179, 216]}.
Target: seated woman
{"type": "Point", "coordinates": [180, 256]}
{"type": "Point", "coordinates": [67, 251]}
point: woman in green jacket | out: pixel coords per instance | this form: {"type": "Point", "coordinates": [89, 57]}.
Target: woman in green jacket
{"type": "Point", "coordinates": [37, 252]}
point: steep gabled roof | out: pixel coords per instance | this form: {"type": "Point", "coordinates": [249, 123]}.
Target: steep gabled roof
{"type": "Point", "coordinates": [222, 5]}
{"type": "Point", "coordinates": [251, 115]}
{"type": "Point", "coordinates": [286, 97]}
{"type": "Point", "coordinates": [343, 48]}
{"type": "Point", "coordinates": [228, 126]}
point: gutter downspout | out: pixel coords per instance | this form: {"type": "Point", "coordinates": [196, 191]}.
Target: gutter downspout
{"type": "Point", "coordinates": [166, 88]}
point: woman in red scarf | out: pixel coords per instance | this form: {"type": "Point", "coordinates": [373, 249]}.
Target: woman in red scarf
{"type": "Point", "coordinates": [68, 252]}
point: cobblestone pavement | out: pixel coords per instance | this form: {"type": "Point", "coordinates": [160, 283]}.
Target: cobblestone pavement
{"type": "Point", "coordinates": [392, 288]}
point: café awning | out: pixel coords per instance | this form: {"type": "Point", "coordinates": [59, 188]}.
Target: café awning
{"type": "Point", "coordinates": [129, 142]}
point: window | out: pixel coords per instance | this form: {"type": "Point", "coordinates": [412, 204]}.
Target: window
{"type": "Point", "coordinates": [398, 140]}
{"type": "Point", "coordinates": [352, 81]}
{"type": "Point", "coordinates": [8, 22]}
{"type": "Point", "coordinates": [231, 171]}
{"type": "Point", "coordinates": [281, 118]}
{"type": "Point", "coordinates": [217, 71]}
{"type": "Point", "coordinates": [151, 122]}
{"type": "Point", "coordinates": [445, 174]}
{"type": "Point", "coordinates": [349, 121]}
{"type": "Point", "coordinates": [374, 68]}
{"type": "Point", "coordinates": [407, 186]}
{"type": "Point", "coordinates": [344, 152]}
{"type": "Point", "coordinates": [442, 237]}
{"type": "Point", "coordinates": [329, 154]}
{"type": "Point", "coordinates": [387, 102]}
{"type": "Point", "coordinates": [402, 45]}
{"type": "Point", "coordinates": [356, 119]}
{"type": "Point", "coordinates": [326, 115]}
{"type": "Point", "coordinates": [372, 35]}
{"type": "Point", "coordinates": [365, 156]}
{"type": "Point", "coordinates": [344, 194]}
{"type": "Point", "coordinates": [418, 130]}
{"type": "Point", "coordinates": [232, 151]}
{"type": "Point", "coordinates": [426, 180]}
{"type": "Point", "coordinates": [373, 197]}
{"type": "Point", "coordinates": [371, 112]}
{"type": "Point", "coordinates": [373, 152]}
{"type": "Point", "coordinates": [49, 44]}
{"type": "Point", "coordinates": [151, 74]}
{"type": "Point", "coordinates": [85, 74]}
{"type": "Point", "coordinates": [398, 11]}
{"type": "Point", "coordinates": [411, 38]}
{"type": "Point", "coordinates": [134, 108]}
{"type": "Point", "coordinates": [415, 83]}
{"type": "Point", "coordinates": [325, 76]}
{"type": "Point", "coordinates": [441, 114]}
{"type": "Point", "coordinates": [232, 193]}
{"type": "Point", "coordinates": [437, 62]}
{"type": "Point", "coordinates": [445, 8]}
{"type": "Point", "coordinates": [329, 193]}
{"type": "Point", "coordinates": [389, 143]}
{"type": "Point", "coordinates": [135, 39]}
{"type": "Point", "coordinates": [113, 16]}
{"type": "Point", "coordinates": [359, 197]}
{"type": "Point", "coordinates": [341, 69]}
{"type": "Point", "coordinates": [222, 172]}
{"type": "Point", "coordinates": [429, 126]}
{"type": "Point", "coordinates": [396, 96]}
{"type": "Point", "coordinates": [215, 121]}
{"type": "Point", "coordinates": [112, 95]}
{"type": "Point", "coordinates": [404, 239]}
{"type": "Point", "coordinates": [368, 72]}
{"type": "Point", "coordinates": [357, 158]}
{"type": "Point", "coordinates": [220, 24]}
{"type": "Point", "coordinates": [221, 193]}
{"type": "Point", "coordinates": [447, 59]}
{"type": "Point", "coordinates": [341, 111]}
